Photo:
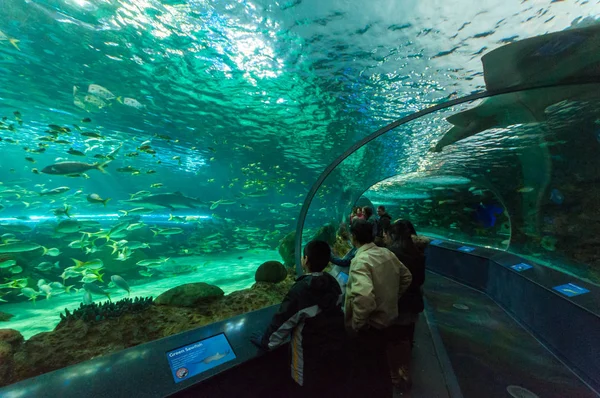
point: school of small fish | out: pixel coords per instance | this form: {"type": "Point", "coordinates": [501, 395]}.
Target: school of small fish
{"type": "Point", "coordinates": [51, 238]}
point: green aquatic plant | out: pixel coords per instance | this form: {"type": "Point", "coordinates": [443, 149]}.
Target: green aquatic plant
{"type": "Point", "coordinates": [108, 310]}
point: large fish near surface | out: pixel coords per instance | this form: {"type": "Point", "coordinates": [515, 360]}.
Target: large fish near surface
{"type": "Point", "coordinates": [171, 201]}
{"type": "Point", "coordinates": [570, 55]}
{"type": "Point", "coordinates": [68, 168]}
{"type": "Point", "coordinates": [20, 247]}
{"type": "Point", "coordinates": [71, 226]}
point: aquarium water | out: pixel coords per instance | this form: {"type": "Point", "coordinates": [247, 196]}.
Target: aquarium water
{"type": "Point", "coordinates": [147, 144]}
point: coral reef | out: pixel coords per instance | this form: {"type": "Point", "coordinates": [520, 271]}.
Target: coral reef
{"type": "Point", "coordinates": [271, 272]}
{"type": "Point", "coordinates": [287, 246]}
{"type": "Point", "coordinates": [5, 316]}
{"type": "Point", "coordinates": [99, 312]}
{"type": "Point", "coordinates": [287, 249]}
{"type": "Point", "coordinates": [340, 247]}
{"type": "Point", "coordinates": [79, 340]}
{"type": "Point", "coordinates": [326, 233]}
{"type": "Point", "coordinates": [189, 295]}
{"type": "Point", "coordinates": [10, 341]}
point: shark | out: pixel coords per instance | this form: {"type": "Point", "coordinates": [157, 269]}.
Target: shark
{"type": "Point", "coordinates": [171, 201]}
{"type": "Point", "coordinates": [546, 59]}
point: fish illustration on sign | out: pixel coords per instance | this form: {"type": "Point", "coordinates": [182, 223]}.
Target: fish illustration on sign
{"type": "Point", "coordinates": [214, 357]}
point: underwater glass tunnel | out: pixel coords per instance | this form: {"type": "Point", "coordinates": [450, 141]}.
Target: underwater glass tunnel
{"type": "Point", "coordinates": [182, 150]}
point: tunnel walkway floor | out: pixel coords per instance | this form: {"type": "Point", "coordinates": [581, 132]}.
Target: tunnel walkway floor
{"type": "Point", "coordinates": [489, 353]}
{"type": "Point", "coordinates": [466, 346]}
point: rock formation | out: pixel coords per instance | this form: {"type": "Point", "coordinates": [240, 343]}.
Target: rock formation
{"type": "Point", "coordinates": [189, 295]}
{"type": "Point", "coordinates": [270, 272]}
{"type": "Point", "coordinates": [79, 341]}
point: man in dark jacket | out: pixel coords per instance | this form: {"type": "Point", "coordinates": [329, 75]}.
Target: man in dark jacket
{"type": "Point", "coordinates": [311, 315]}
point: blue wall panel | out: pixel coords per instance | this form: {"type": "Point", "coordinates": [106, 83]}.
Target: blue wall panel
{"type": "Point", "coordinates": [569, 326]}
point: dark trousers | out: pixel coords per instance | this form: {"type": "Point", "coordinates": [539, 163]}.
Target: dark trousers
{"type": "Point", "coordinates": [370, 376]}
{"type": "Point", "coordinates": [325, 375]}
{"type": "Point", "coordinates": [399, 352]}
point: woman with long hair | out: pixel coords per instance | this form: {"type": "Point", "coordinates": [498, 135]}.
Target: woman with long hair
{"type": "Point", "coordinates": [398, 238]}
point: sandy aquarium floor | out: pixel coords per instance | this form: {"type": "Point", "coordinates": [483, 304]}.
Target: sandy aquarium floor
{"type": "Point", "coordinates": [224, 270]}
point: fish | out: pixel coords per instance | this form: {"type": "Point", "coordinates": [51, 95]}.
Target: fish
{"type": "Point", "coordinates": [556, 197]}
{"type": "Point", "coordinates": [132, 102]}
{"type": "Point", "coordinates": [121, 283]}
{"type": "Point", "coordinates": [246, 229]}
{"type": "Point", "coordinates": [221, 202]}
{"type": "Point", "coordinates": [128, 169]}
{"type": "Point", "coordinates": [176, 218]}
{"type": "Point", "coordinates": [54, 191]}
{"type": "Point", "coordinates": [145, 273]}
{"type": "Point", "coordinates": [20, 247]}
{"type": "Point", "coordinates": [281, 225]}
{"type": "Point", "coordinates": [62, 212]}
{"type": "Point", "coordinates": [47, 266]}
{"type": "Point", "coordinates": [447, 201]}
{"type": "Point", "coordinates": [135, 226]}
{"type": "Point", "coordinates": [69, 226]}
{"type": "Point", "coordinates": [171, 201]}
{"type": "Point", "coordinates": [118, 228]}
{"type": "Point", "coordinates": [60, 286]}
{"type": "Point", "coordinates": [257, 194]}
{"type": "Point", "coordinates": [137, 245]}
{"type": "Point", "coordinates": [87, 298]}
{"type": "Point", "coordinates": [100, 92]}
{"type": "Point", "coordinates": [137, 210]}
{"type": "Point", "coordinates": [124, 254]}
{"type": "Point", "coordinates": [16, 270]}
{"type": "Point", "coordinates": [91, 134]}
{"type": "Point", "coordinates": [152, 262]}
{"type": "Point", "coordinates": [92, 264]}
{"type": "Point", "coordinates": [7, 236]}
{"type": "Point", "coordinates": [525, 189]}
{"type": "Point", "coordinates": [29, 293]}
{"type": "Point", "coordinates": [86, 120]}
{"type": "Point", "coordinates": [8, 264]}
{"type": "Point", "coordinates": [167, 231]}
{"type": "Point", "coordinates": [58, 129]}
{"type": "Point", "coordinates": [92, 249]}
{"type": "Point", "coordinates": [75, 152]}
{"type": "Point", "coordinates": [215, 357]}
{"type": "Point", "coordinates": [95, 198]}
{"type": "Point", "coordinates": [45, 289]}
{"type": "Point", "coordinates": [114, 152]}
{"type": "Point", "coordinates": [73, 168]}
{"type": "Point", "coordinates": [16, 283]}
{"type": "Point", "coordinates": [70, 273]}
{"type": "Point", "coordinates": [89, 278]}
{"type": "Point", "coordinates": [139, 194]}
{"type": "Point", "coordinates": [288, 205]}
{"type": "Point", "coordinates": [12, 41]}
{"type": "Point", "coordinates": [52, 252]}
{"type": "Point", "coordinates": [95, 289]}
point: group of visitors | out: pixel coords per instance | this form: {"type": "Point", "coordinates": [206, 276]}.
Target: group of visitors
{"type": "Point", "coordinates": [352, 330]}
{"type": "Point", "coordinates": [379, 222]}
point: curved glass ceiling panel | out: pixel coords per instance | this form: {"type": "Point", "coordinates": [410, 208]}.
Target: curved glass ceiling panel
{"type": "Point", "coordinates": [536, 175]}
